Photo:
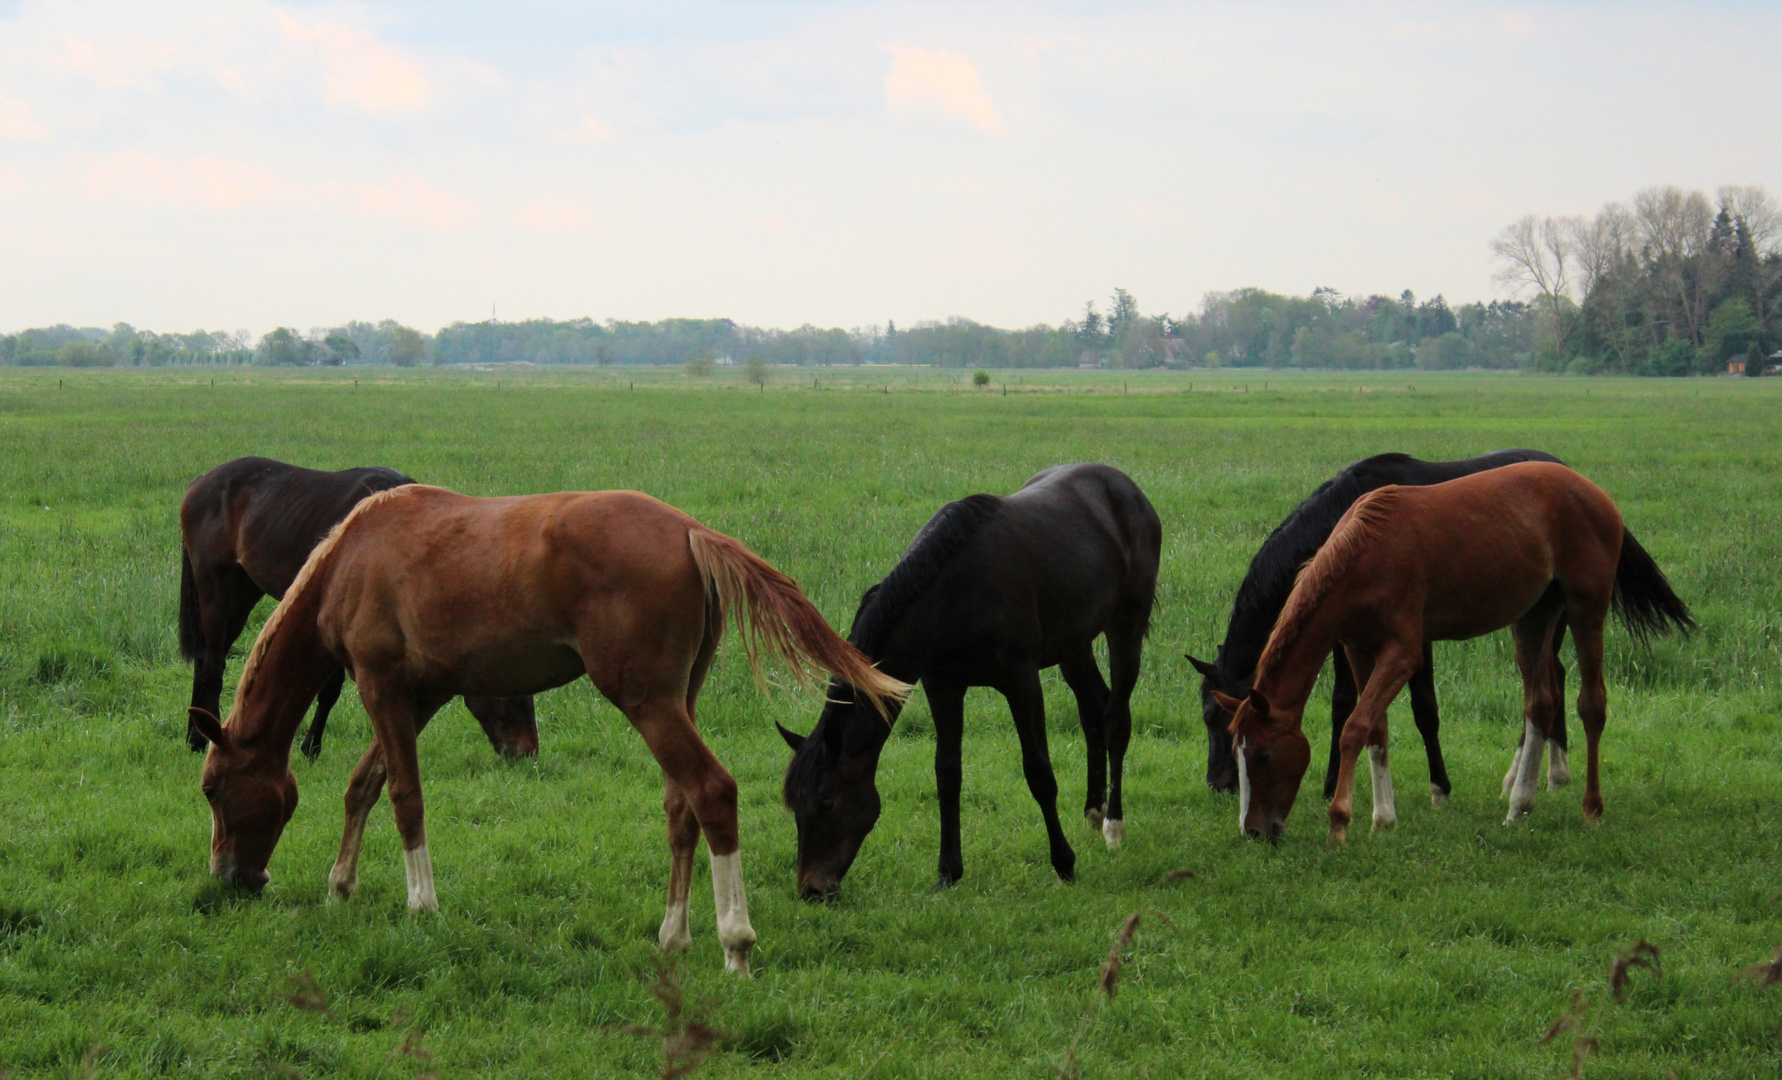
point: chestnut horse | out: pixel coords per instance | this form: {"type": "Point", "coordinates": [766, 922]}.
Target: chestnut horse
{"type": "Point", "coordinates": [246, 528]}
{"type": "Point", "coordinates": [1532, 546]}
{"type": "Point", "coordinates": [1264, 593]}
{"type": "Point", "coordinates": [424, 594]}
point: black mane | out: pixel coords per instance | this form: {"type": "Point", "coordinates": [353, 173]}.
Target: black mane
{"type": "Point", "coordinates": [935, 545]}
{"type": "Point", "coordinates": [1273, 569]}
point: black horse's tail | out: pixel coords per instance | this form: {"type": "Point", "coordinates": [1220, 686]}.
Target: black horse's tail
{"type": "Point", "coordinates": [1643, 598]}
{"type": "Point", "coordinates": [191, 631]}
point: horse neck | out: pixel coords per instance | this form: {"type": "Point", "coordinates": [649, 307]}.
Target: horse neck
{"type": "Point", "coordinates": [1286, 674]}
{"type": "Point", "coordinates": [275, 695]}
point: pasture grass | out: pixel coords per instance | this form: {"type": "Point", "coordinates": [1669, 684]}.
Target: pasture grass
{"type": "Point", "coordinates": [1444, 948]}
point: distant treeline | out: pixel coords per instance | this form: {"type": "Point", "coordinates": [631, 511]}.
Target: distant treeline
{"type": "Point", "coordinates": [1672, 285]}
{"type": "Point", "coordinates": [1245, 328]}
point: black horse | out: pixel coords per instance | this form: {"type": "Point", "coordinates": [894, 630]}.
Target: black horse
{"type": "Point", "coordinates": [991, 591]}
{"type": "Point", "coordinates": [247, 528]}
{"type": "Point", "coordinates": [1264, 592]}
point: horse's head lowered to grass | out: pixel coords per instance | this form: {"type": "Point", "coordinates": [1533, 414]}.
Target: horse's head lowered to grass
{"type": "Point", "coordinates": [830, 791]}
{"type": "Point", "coordinates": [1271, 755]}
{"type": "Point", "coordinates": [252, 795]}
{"type": "Point", "coordinates": [1222, 773]}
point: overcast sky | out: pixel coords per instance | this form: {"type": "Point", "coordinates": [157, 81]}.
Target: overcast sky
{"type": "Point", "coordinates": [236, 164]}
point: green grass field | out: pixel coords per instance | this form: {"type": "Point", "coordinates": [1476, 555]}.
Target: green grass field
{"type": "Point", "coordinates": [1445, 948]}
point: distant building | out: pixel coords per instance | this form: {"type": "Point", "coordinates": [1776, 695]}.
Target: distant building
{"type": "Point", "coordinates": [1735, 365]}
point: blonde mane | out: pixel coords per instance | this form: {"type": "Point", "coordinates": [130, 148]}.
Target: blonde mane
{"type": "Point", "coordinates": [310, 565]}
{"type": "Point", "coordinates": [1313, 584]}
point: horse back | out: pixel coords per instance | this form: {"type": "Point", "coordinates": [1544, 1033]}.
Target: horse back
{"type": "Point", "coordinates": [1049, 572]}
{"type": "Point", "coordinates": [1484, 548]}
{"type": "Point", "coordinates": [267, 516]}
{"type": "Point", "coordinates": [508, 594]}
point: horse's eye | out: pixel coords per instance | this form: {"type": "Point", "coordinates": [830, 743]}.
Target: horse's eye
{"type": "Point", "coordinates": [1262, 757]}
{"type": "Point", "coordinates": [826, 805]}
{"type": "Point", "coordinates": [210, 794]}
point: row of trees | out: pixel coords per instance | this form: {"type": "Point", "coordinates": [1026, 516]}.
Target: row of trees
{"type": "Point", "coordinates": [386, 342]}
{"type": "Point", "coordinates": [1245, 328]}
{"type": "Point", "coordinates": [1671, 283]}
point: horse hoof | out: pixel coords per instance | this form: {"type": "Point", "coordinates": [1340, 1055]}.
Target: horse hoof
{"type": "Point", "coordinates": [1437, 797]}
{"type": "Point", "coordinates": [1339, 835]}
{"type": "Point", "coordinates": [1094, 816]}
{"type": "Point", "coordinates": [1381, 824]}
{"type": "Point", "coordinates": [1113, 830]}
{"type": "Point", "coordinates": [736, 959]}
{"type": "Point", "coordinates": [1067, 872]}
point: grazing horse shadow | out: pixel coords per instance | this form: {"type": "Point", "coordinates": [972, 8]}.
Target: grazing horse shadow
{"type": "Point", "coordinates": [992, 591]}
{"type": "Point", "coordinates": [247, 527]}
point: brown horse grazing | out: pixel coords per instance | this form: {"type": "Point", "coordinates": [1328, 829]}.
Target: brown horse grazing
{"type": "Point", "coordinates": [246, 528]}
{"type": "Point", "coordinates": [424, 594]}
{"type": "Point", "coordinates": [1532, 546]}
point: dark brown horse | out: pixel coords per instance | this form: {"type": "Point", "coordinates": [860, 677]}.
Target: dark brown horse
{"type": "Point", "coordinates": [424, 594]}
{"type": "Point", "coordinates": [1532, 546]}
{"type": "Point", "coordinates": [992, 591]}
{"type": "Point", "coordinates": [247, 526]}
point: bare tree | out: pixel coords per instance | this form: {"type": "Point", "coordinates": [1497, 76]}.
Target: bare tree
{"type": "Point", "coordinates": [1675, 229]}
{"type": "Point", "coordinates": [1599, 244]}
{"type": "Point", "coordinates": [1538, 253]}
{"type": "Point", "coordinates": [1760, 213]}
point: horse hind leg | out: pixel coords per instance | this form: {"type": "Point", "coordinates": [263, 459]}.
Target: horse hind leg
{"type": "Point", "coordinates": [1586, 618]}
{"type": "Point", "coordinates": [1533, 634]}
{"type": "Point", "coordinates": [1429, 725]}
{"type": "Point", "coordinates": [1559, 768]}
{"type": "Point", "coordinates": [683, 842]}
{"type": "Point", "coordinates": [710, 793]}
{"type": "Point", "coordinates": [226, 599]}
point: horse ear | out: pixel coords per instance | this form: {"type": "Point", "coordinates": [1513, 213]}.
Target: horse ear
{"type": "Point", "coordinates": [1226, 702]}
{"type": "Point", "coordinates": [793, 738]}
{"type": "Point", "coordinates": [1258, 702]}
{"type": "Point", "coordinates": [1206, 670]}
{"type": "Point", "coordinates": [208, 725]}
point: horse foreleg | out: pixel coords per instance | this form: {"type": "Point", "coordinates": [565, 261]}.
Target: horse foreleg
{"type": "Point", "coordinates": [947, 704]}
{"type": "Point", "coordinates": [1382, 677]}
{"type": "Point", "coordinates": [1084, 679]}
{"type": "Point", "coordinates": [362, 792]}
{"type": "Point", "coordinates": [325, 699]}
{"type": "Point", "coordinates": [683, 841]}
{"type": "Point", "coordinates": [1027, 702]}
{"type": "Point", "coordinates": [1342, 704]}
{"type": "Point", "coordinates": [397, 717]}
{"type": "Point", "coordinates": [1429, 725]}
{"type": "Point", "coordinates": [1126, 643]}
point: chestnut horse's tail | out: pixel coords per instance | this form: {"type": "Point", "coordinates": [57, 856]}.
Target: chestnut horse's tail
{"type": "Point", "coordinates": [775, 617]}
{"type": "Point", "coordinates": [191, 626]}
{"type": "Point", "coordinates": [1643, 598]}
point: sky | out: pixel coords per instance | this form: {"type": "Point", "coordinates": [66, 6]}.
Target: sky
{"type": "Point", "coordinates": [234, 164]}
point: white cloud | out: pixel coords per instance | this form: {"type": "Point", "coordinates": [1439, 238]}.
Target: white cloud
{"type": "Point", "coordinates": [940, 83]}
{"type": "Point", "coordinates": [202, 183]}
{"type": "Point", "coordinates": [551, 215]}
{"type": "Point", "coordinates": [409, 200]}
{"type": "Point", "coordinates": [361, 71]}
{"type": "Point", "coordinates": [17, 122]}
